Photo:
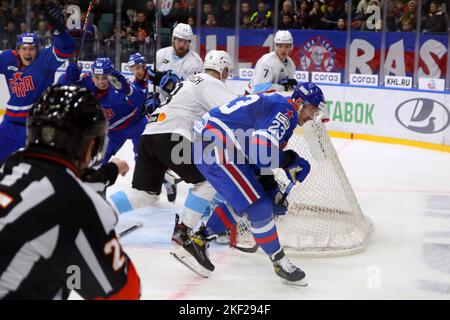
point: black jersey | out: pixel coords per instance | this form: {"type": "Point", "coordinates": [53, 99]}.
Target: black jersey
{"type": "Point", "coordinates": [57, 234]}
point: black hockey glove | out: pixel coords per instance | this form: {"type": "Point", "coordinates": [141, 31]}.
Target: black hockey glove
{"type": "Point", "coordinates": [55, 20]}
{"type": "Point", "coordinates": [166, 80]}
{"type": "Point", "coordinates": [288, 83]}
{"type": "Point", "coordinates": [152, 103]}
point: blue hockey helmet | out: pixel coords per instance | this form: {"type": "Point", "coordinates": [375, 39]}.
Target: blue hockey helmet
{"type": "Point", "coordinates": [310, 93]}
{"type": "Point", "coordinates": [135, 58]}
{"type": "Point", "coordinates": [27, 38]}
{"type": "Point", "coordinates": [102, 66]}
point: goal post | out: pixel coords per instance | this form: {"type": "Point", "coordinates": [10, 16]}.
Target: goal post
{"type": "Point", "coordinates": [324, 217]}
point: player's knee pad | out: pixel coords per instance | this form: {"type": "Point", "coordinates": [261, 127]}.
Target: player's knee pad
{"type": "Point", "coordinates": [197, 202]}
{"type": "Point", "coordinates": [260, 212]}
{"type": "Point", "coordinates": [222, 218]}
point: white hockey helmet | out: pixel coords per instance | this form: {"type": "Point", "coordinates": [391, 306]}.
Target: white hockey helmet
{"type": "Point", "coordinates": [283, 37]}
{"type": "Point", "coordinates": [183, 31]}
{"type": "Point", "coordinates": [218, 60]}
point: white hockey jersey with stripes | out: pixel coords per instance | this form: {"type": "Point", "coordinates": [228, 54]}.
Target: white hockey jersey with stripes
{"type": "Point", "coordinates": [190, 100]}
{"type": "Point", "coordinates": [269, 71]}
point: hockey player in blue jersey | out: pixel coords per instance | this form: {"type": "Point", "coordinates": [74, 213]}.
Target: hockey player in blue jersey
{"type": "Point", "coordinates": [237, 142]}
{"type": "Point", "coordinates": [145, 77]}
{"type": "Point", "coordinates": [123, 104]}
{"type": "Point", "coordinates": [29, 71]}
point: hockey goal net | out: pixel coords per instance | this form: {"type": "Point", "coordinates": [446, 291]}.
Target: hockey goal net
{"type": "Point", "coordinates": [324, 217]}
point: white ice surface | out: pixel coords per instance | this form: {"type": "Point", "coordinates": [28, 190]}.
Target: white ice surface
{"type": "Point", "coordinates": [404, 190]}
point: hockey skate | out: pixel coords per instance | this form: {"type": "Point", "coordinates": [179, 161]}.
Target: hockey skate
{"type": "Point", "coordinates": [192, 250]}
{"type": "Point", "coordinates": [181, 233]}
{"type": "Point", "coordinates": [287, 271]}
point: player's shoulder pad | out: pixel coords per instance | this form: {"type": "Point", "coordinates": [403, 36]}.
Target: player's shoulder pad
{"type": "Point", "coordinates": [196, 56]}
{"type": "Point", "coordinates": [266, 57]}
{"type": "Point", "coordinates": [9, 58]}
{"type": "Point", "coordinates": [278, 101]}
{"type": "Point", "coordinates": [290, 61]}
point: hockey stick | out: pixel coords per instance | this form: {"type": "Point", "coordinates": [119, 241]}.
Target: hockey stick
{"type": "Point", "coordinates": [130, 229]}
{"type": "Point", "coordinates": [233, 230]}
{"type": "Point", "coordinates": [91, 6]}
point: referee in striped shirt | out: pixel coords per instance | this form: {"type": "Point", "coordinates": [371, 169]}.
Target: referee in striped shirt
{"type": "Point", "coordinates": [56, 232]}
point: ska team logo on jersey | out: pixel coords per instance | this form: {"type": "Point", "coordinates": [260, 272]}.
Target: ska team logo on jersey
{"type": "Point", "coordinates": [317, 54]}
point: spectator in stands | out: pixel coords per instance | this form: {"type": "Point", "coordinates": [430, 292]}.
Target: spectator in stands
{"type": "Point", "coordinates": [246, 9]}
{"type": "Point", "coordinates": [302, 15]}
{"type": "Point", "coordinates": [372, 23]}
{"type": "Point", "coordinates": [316, 16]}
{"type": "Point", "coordinates": [287, 22]}
{"type": "Point", "coordinates": [407, 21]}
{"type": "Point", "coordinates": [207, 10]}
{"type": "Point", "coordinates": [211, 21]}
{"type": "Point", "coordinates": [330, 18]}
{"type": "Point", "coordinates": [142, 23]}
{"type": "Point", "coordinates": [262, 18]}
{"type": "Point", "coordinates": [150, 10]}
{"type": "Point", "coordinates": [141, 40]}
{"type": "Point", "coordinates": [43, 34]}
{"type": "Point", "coordinates": [58, 4]}
{"type": "Point", "coordinates": [191, 21]}
{"type": "Point", "coordinates": [340, 26]}
{"type": "Point", "coordinates": [191, 9]}
{"type": "Point", "coordinates": [38, 6]}
{"type": "Point", "coordinates": [10, 35]}
{"type": "Point", "coordinates": [176, 15]}
{"type": "Point", "coordinates": [226, 14]}
{"type": "Point", "coordinates": [287, 9]}
{"type": "Point", "coordinates": [3, 20]}
{"type": "Point", "coordinates": [23, 27]}
{"type": "Point", "coordinates": [398, 10]}
{"type": "Point", "coordinates": [34, 21]}
{"type": "Point", "coordinates": [16, 17]}
{"type": "Point", "coordinates": [435, 20]}
{"type": "Point", "coordinates": [6, 7]}
{"type": "Point", "coordinates": [362, 7]}
{"type": "Point", "coordinates": [245, 22]}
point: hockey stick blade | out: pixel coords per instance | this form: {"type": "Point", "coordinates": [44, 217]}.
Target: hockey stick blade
{"type": "Point", "coordinates": [245, 249]}
{"type": "Point", "coordinates": [130, 229]}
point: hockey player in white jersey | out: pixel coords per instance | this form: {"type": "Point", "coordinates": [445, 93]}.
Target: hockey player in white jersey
{"type": "Point", "coordinates": [275, 71]}
{"type": "Point", "coordinates": [178, 57]}
{"type": "Point", "coordinates": [168, 132]}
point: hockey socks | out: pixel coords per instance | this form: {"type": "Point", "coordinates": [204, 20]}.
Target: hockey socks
{"type": "Point", "coordinates": [222, 218]}
{"type": "Point", "coordinates": [132, 199]}
{"type": "Point", "coordinates": [263, 226]}
{"type": "Point", "coordinates": [197, 202]}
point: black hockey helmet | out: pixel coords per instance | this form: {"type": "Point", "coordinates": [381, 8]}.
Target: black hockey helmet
{"type": "Point", "coordinates": [65, 119]}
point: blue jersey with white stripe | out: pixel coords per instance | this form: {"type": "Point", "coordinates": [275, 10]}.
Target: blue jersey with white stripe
{"type": "Point", "coordinates": [268, 120]}
{"type": "Point", "coordinates": [142, 85]}
{"type": "Point", "coordinates": [120, 110]}
{"type": "Point", "coordinates": [26, 83]}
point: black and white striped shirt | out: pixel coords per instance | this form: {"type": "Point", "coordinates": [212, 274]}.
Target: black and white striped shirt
{"type": "Point", "coordinates": [57, 234]}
